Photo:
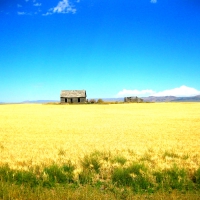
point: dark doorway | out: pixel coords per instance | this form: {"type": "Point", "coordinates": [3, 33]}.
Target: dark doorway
{"type": "Point", "coordinates": [79, 100]}
{"type": "Point", "coordinates": [65, 100]}
{"type": "Point", "coordinates": [71, 100]}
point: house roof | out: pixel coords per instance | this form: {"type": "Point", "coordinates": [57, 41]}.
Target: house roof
{"type": "Point", "coordinates": [73, 93]}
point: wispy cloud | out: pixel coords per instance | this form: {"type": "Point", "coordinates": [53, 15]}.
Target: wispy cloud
{"type": "Point", "coordinates": [153, 1]}
{"type": "Point", "coordinates": [36, 7]}
{"type": "Point", "coordinates": [47, 13]}
{"type": "Point", "coordinates": [182, 91]}
{"type": "Point", "coordinates": [63, 7]}
{"type": "Point", "coordinates": [21, 13]}
{"type": "Point", "coordinates": [29, 7]}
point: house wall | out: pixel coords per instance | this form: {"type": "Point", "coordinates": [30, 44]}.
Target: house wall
{"type": "Point", "coordinates": [83, 100]}
{"type": "Point", "coordinates": [133, 99]}
{"type": "Point", "coordinates": [78, 100]}
{"type": "Point", "coordinates": [62, 100]}
{"type": "Point", "coordinates": [73, 100]}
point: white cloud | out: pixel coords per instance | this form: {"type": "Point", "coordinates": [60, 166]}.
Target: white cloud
{"type": "Point", "coordinates": [153, 1]}
{"type": "Point", "coordinates": [63, 7]}
{"type": "Point", "coordinates": [182, 91]}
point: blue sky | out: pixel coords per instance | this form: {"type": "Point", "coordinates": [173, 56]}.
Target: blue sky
{"type": "Point", "coordinates": [110, 48]}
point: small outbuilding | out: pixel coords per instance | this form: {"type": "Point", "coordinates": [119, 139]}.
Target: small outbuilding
{"type": "Point", "coordinates": [133, 99]}
{"type": "Point", "coordinates": [73, 96]}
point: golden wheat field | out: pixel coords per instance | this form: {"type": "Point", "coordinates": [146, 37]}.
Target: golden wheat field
{"type": "Point", "coordinates": [38, 135]}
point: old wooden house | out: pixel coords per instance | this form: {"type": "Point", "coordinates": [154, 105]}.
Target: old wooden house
{"type": "Point", "coordinates": [73, 96]}
{"type": "Point", "coordinates": [133, 99]}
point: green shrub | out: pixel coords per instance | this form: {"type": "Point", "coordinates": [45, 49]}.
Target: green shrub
{"type": "Point", "coordinates": [25, 177]}
{"type": "Point", "coordinates": [5, 173]}
{"type": "Point", "coordinates": [85, 177]}
{"type": "Point", "coordinates": [119, 159]}
{"type": "Point", "coordinates": [100, 101]}
{"type": "Point", "coordinates": [20, 177]}
{"type": "Point", "coordinates": [196, 178]}
{"type": "Point", "coordinates": [133, 176]}
{"type": "Point", "coordinates": [159, 179]}
{"type": "Point", "coordinates": [68, 167]}
{"type": "Point", "coordinates": [173, 178]}
{"type": "Point", "coordinates": [91, 166]}
{"type": "Point", "coordinates": [91, 162]}
{"type": "Point", "coordinates": [176, 178]}
{"type": "Point", "coordinates": [136, 178]}
{"type": "Point", "coordinates": [57, 174]}
{"type": "Point", "coordinates": [92, 101]}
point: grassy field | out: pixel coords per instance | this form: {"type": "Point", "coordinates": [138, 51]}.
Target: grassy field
{"type": "Point", "coordinates": [117, 148]}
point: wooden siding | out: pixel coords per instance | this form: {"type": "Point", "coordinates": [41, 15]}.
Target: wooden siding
{"type": "Point", "coordinates": [133, 99]}
{"type": "Point", "coordinates": [73, 100]}
{"type": "Point", "coordinates": [73, 96]}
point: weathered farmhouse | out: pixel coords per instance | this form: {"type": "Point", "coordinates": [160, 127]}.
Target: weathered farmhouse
{"type": "Point", "coordinates": [73, 96]}
{"type": "Point", "coordinates": [133, 99]}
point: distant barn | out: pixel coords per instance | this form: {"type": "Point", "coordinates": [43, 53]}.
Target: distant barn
{"type": "Point", "coordinates": [133, 99]}
{"type": "Point", "coordinates": [73, 96]}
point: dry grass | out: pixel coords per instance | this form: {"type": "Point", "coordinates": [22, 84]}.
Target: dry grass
{"type": "Point", "coordinates": [86, 193]}
{"type": "Point", "coordinates": [163, 134]}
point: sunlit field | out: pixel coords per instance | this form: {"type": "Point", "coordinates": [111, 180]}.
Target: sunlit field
{"type": "Point", "coordinates": [158, 136]}
{"type": "Point", "coordinates": [39, 134]}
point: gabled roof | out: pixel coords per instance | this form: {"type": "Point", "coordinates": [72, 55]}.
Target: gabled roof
{"type": "Point", "coordinates": [73, 93]}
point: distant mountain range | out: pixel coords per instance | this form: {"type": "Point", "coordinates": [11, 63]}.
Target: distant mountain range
{"type": "Point", "coordinates": [146, 99]}
{"type": "Point", "coordinates": [172, 99]}
{"type": "Point", "coordinates": [27, 102]}
{"type": "Point", "coordinates": [40, 101]}
{"type": "Point", "coordinates": [161, 99]}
